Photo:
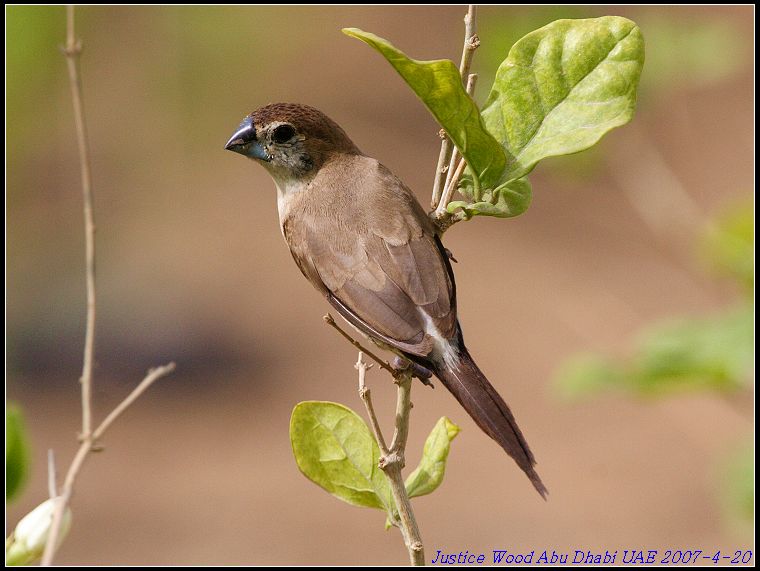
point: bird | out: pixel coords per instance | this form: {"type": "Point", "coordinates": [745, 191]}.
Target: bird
{"type": "Point", "coordinates": [360, 236]}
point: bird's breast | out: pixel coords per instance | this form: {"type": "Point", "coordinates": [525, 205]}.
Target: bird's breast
{"type": "Point", "coordinates": [289, 192]}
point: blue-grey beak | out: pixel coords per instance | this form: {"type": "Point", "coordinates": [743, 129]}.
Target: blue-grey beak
{"type": "Point", "coordinates": [244, 141]}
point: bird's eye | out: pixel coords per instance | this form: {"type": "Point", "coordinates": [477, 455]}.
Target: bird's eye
{"type": "Point", "coordinates": [283, 133]}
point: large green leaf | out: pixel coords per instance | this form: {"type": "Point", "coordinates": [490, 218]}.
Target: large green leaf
{"type": "Point", "coordinates": [428, 475]}
{"type": "Point", "coordinates": [562, 87]}
{"type": "Point", "coordinates": [334, 448]}
{"type": "Point", "coordinates": [16, 452]}
{"type": "Point", "coordinates": [439, 85]}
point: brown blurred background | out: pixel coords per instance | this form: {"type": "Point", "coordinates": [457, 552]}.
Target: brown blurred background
{"type": "Point", "coordinates": [192, 268]}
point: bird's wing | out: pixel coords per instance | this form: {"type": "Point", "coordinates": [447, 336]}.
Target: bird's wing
{"type": "Point", "coordinates": [387, 274]}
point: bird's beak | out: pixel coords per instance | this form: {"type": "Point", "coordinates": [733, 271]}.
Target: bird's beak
{"type": "Point", "coordinates": [244, 141]}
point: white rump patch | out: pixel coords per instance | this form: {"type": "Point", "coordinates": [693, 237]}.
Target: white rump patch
{"type": "Point", "coordinates": [442, 348]}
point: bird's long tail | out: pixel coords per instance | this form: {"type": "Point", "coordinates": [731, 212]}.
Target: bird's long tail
{"type": "Point", "coordinates": [471, 388]}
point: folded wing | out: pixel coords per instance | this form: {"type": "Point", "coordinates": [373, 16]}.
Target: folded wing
{"type": "Point", "coordinates": [383, 269]}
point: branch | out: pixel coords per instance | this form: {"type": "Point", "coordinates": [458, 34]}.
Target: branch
{"type": "Point", "coordinates": [364, 394]}
{"type": "Point", "coordinates": [392, 459]}
{"type": "Point", "coordinates": [89, 446]}
{"type": "Point", "coordinates": [445, 162]}
{"type": "Point", "coordinates": [72, 51]}
{"type": "Point", "coordinates": [471, 41]}
{"type": "Point", "coordinates": [152, 376]}
{"type": "Point", "coordinates": [440, 169]}
{"type": "Point", "coordinates": [52, 475]}
{"type": "Point", "coordinates": [470, 89]}
{"type": "Point", "coordinates": [452, 179]}
{"type": "Point", "coordinates": [88, 437]}
{"type": "Point", "coordinates": [383, 364]}
{"type": "Point", "coordinates": [392, 465]}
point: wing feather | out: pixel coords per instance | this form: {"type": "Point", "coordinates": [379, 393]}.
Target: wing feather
{"type": "Point", "coordinates": [380, 265]}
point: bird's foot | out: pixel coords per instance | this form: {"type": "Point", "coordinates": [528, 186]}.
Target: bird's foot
{"type": "Point", "coordinates": [400, 364]}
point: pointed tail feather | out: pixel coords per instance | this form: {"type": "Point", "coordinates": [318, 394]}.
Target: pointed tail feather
{"type": "Point", "coordinates": [462, 377]}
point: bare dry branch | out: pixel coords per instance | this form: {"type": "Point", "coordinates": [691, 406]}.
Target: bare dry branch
{"type": "Point", "coordinates": [454, 174]}
{"type": "Point", "coordinates": [392, 459]}
{"type": "Point", "coordinates": [393, 462]}
{"type": "Point", "coordinates": [383, 364]}
{"type": "Point", "coordinates": [445, 160]}
{"type": "Point", "coordinates": [72, 50]}
{"type": "Point", "coordinates": [88, 437]}
{"type": "Point", "coordinates": [52, 475]}
{"type": "Point", "coordinates": [85, 448]}
{"type": "Point", "coordinates": [365, 395]}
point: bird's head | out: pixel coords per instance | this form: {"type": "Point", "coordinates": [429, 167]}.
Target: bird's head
{"type": "Point", "coordinates": [290, 140]}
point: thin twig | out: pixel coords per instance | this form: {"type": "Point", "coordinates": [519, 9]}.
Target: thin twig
{"type": "Point", "coordinates": [471, 43]}
{"type": "Point", "coordinates": [471, 80]}
{"type": "Point", "coordinates": [86, 447]}
{"type": "Point", "coordinates": [152, 376]}
{"type": "Point", "coordinates": [88, 437]}
{"type": "Point", "coordinates": [449, 175]}
{"type": "Point", "coordinates": [392, 459]}
{"type": "Point", "coordinates": [393, 462]}
{"type": "Point", "coordinates": [454, 174]}
{"type": "Point", "coordinates": [403, 408]}
{"type": "Point", "coordinates": [441, 212]}
{"type": "Point", "coordinates": [72, 51]}
{"type": "Point", "coordinates": [383, 364]}
{"type": "Point", "coordinates": [440, 169]}
{"type": "Point", "coordinates": [52, 476]}
{"type": "Point", "coordinates": [364, 394]}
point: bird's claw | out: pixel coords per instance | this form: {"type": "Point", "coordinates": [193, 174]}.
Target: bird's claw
{"type": "Point", "coordinates": [423, 374]}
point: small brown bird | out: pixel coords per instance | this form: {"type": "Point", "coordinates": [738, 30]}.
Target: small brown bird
{"type": "Point", "coordinates": [361, 238]}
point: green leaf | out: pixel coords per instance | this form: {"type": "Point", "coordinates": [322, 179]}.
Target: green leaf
{"type": "Point", "coordinates": [562, 87]}
{"type": "Point", "coordinates": [439, 85]}
{"type": "Point", "coordinates": [714, 352]}
{"type": "Point", "coordinates": [428, 475]}
{"type": "Point", "coordinates": [559, 91]}
{"type": "Point", "coordinates": [16, 452]}
{"type": "Point", "coordinates": [508, 200]}
{"type": "Point", "coordinates": [334, 448]}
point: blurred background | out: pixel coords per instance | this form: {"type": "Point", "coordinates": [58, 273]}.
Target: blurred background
{"type": "Point", "coordinates": [643, 441]}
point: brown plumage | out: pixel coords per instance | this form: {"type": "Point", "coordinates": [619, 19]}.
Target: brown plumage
{"type": "Point", "coordinates": [361, 238]}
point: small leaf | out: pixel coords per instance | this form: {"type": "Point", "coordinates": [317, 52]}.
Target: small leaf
{"type": "Point", "coordinates": [334, 448]}
{"type": "Point", "coordinates": [429, 473]}
{"type": "Point", "coordinates": [439, 85]}
{"type": "Point", "coordinates": [16, 452]}
{"type": "Point", "coordinates": [562, 87]}
{"type": "Point", "coordinates": [508, 200]}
